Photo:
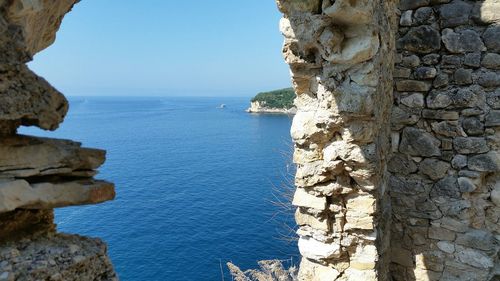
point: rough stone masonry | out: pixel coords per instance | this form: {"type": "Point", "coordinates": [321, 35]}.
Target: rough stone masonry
{"type": "Point", "coordinates": [396, 137]}
{"type": "Point", "coordinates": [39, 174]}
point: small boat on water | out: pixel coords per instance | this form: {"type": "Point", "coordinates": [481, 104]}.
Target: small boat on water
{"type": "Point", "coordinates": [222, 106]}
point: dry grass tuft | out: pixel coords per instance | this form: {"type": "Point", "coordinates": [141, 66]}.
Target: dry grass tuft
{"type": "Point", "coordinates": [271, 270]}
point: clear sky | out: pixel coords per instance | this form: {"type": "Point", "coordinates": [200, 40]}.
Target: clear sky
{"type": "Point", "coordinates": [167, 47]}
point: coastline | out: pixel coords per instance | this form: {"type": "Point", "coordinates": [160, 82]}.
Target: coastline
{"type": "Point", "coordinates": [258, 108]}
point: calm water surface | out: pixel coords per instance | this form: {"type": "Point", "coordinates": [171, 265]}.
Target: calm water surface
{"type": "Point", "coordinates": [195, 184]}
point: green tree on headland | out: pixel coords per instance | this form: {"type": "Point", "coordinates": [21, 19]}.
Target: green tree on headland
{"type": "Point", "coordinates": [282, 98]}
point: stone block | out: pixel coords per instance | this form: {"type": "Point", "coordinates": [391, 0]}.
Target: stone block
{"type": "Point", "coordinates": [417, 142]}
{"type": "Point", "coordinates": [401, 164]}
{"type": "Point", "coordinates": [486, 12]}
{"type": "Point", "coordinates": [20, 194]}
{"type": "Point", "coordinates": [359, 211]}
{"type": "Point", "coordinates": [302, 198]}
{"type": "Point", "coordinates": [448, 129]}
{"type": "Point", "coordinates": [470, 145]}
{"type": "Point", "coordinates": [474, 258]}
{"type": "Point", "coordinates": [490, 37]}
{"type": "Point", "coordinates": [462, 41]}
{"type": "Point", "coordinates": [439, 114]}
{"type": "Point", "coordinates": [303, 218]}
{"type": "Point", "coordinates": [433, 168]}
{"type": "Point", "coordinates": [364, 257]}
{"type": "Point", "coordinates": [313, 249]}
{"type": "Point", "coordinates": [454, 14]}
{"type": "Point", "coordinates": [422, 39]}
{"type": "Point", "coordinates": [493, 118]}
{"type": "Point", "coordinates": [463, 76]}
{"type": "Point", "coordinates": [312, 271]}
{"type": "Point", "coordinates": [489, 162]}
{"type": "Point", "coordinates": [491, 60]}
{"type": "Point", "coordinates": [477, 239]}
{"type": "Point", "coordinates": [425, 72]}
{"type": "Point", "coordinates": [439, 233]}
{"type": "Point", "coordinates": [446, 187]}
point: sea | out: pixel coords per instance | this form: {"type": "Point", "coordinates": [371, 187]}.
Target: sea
{"type": "Point", "coordinates": [197, 185]}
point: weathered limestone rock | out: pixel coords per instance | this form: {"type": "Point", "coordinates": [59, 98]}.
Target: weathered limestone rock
{"type": "Point", "coordinates": [39, 174]}
{"type": "Point", "coordinates": [26, 156]}
{"type": "Point", "coordinates": [340, 54]}
{"type": "Point", "coordinates": [29, 100]}
{"type": "Point", "coordinates": [316, 272]}
{"type": "Point", "coordinates": [27, 28]}
{"type": "Point", "coordinates": [304, 199]}
{"type": "Point", "coordinates": [20, 194]}
{"type": "Point", "coordinates": [486, 12]}
{"type": "Point", "coordinates": [23, 223]}
{"type": "Point", "coordinates": [56, 257]}
{"type": "Point", "coordinates": [316, 250]}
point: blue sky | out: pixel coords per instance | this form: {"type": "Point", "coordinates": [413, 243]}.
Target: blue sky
{"type": "Point", "coordinates": [167, 47]}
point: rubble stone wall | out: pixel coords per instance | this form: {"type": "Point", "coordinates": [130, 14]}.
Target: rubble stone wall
{"type": "Point", "coordinates": [341, 59]}
{"type": "Point", "coordinates": [399, 183]}
{"type": "Point", "coordinates": [445, 138]}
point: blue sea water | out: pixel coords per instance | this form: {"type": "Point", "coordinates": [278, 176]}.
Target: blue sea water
{"type": "Point", "coordinates": [196, 185]}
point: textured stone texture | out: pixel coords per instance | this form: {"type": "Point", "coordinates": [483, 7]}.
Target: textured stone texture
{"type": "Point", "coordinates": [27, 27]}
{"type": "Point", "coordinates": [340, 54]}
{"type": "Point", "coordinates": [38, 174]}
{"type": "Point", "coordinates": [441, 167]}
{"type": "Point", "coordinates": [444, 230]}
{"type": "Point", "coordinates": [56, 257]}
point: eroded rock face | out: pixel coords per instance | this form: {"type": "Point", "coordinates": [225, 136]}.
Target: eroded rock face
{"type": "Point", "coordinates": [27, 27]}
{"type": "Point", "coordinates": [56, 257]}
{"type": "Point", "coordinates": [39, 174]}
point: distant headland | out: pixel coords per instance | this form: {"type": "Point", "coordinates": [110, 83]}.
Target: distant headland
{"type": "Point", "coordinates": [278, 101]}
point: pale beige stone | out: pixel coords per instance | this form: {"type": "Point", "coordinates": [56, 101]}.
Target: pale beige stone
{"type": "Point", "coordinates": [302, 218]}
{"type": "Point", "coordinates": [302, 198]}
{"type": "Point", "coordinates": [365, 257]}
{"type": "Point", "coordinates": [352, 274]}
{"type": "Point", "coordinates": [310, 271]}
{"type": "Point", "coordinates": [356, 50]}
{"type": "Point", "coordinates": [489, 11]}
{"type": "Point", "coordinates": [317, 250]}
{"type": "Point", "coordinates": [360, 208]}
{"type": "Point", "coordinates": [351, 12]}
{"type": "Point", "coordinates": [25, 156]}
{"type": "Point", "coordinates": [39, 19]}
{"type": "Point", "coordinates": [20, 194]}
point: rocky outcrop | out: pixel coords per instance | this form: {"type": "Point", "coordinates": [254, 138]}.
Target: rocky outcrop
{"type": "Point", "coordinates": [260, 107]}
{"type": "Point", "coordinates": [56, 257]}
{"type": "Point", "coordinates": [395, 138]}
{"type": "Point", "coordinates": [39, 174]}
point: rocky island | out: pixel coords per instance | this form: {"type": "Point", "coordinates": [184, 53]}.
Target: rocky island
{"type": "Point", "coordinates": [278, 101]}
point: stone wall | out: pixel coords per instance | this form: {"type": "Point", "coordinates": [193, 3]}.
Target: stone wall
{"type": "Point", "coordinates": [445, 138]}
{"type": "Point", "coordinates": [401, 184]}
{"type": "Point", "coordinates": [341, 59]}
{"type": "Point", "coordinates": [39, 174]}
